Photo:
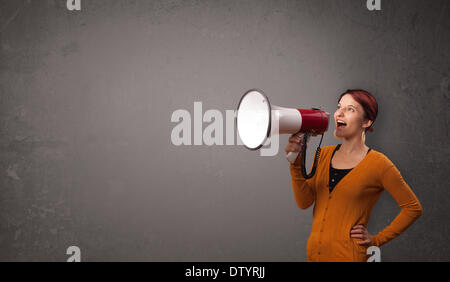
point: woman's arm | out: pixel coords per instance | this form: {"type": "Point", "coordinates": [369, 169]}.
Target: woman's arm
{"type": "Point", "coordinates": [304, 192]}
{"type": "Point", "coordinates": [393, 182]}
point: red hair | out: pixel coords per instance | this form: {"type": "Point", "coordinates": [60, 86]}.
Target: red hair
{"type": "Point", "coordinates": [368, 103]}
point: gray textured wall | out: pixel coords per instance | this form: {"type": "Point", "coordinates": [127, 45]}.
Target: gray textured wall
{"type": "Point", "coordinates": [86, 99]}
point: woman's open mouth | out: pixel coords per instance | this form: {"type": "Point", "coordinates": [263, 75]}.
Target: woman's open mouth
{"type": "Point", "coordinates": [340, 124]}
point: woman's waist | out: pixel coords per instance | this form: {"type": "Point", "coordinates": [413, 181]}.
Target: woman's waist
{"type": "Point", "coordinates": [330, 229]}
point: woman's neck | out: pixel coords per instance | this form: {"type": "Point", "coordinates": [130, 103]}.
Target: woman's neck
{"type": "Point", "coordinates": [353, 145]}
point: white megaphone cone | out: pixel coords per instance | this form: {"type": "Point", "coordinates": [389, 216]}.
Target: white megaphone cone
{"type": "Point", "coordinates": [257, 120]}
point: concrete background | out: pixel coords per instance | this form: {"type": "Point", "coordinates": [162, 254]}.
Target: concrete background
{"type": "Point", "coordinates": [86, 99]}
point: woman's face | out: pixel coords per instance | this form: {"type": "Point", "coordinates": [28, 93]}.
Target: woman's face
{"type": "Point", "coordinates": [349, 118]}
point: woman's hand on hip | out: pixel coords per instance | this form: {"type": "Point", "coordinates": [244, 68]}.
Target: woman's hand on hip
{"type": "Point", "coordinates": [359, 231]}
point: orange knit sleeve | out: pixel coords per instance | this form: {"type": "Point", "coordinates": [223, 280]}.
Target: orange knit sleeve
{"type": "Point", "coordinates": [304, 191]}
{"type": "Point", "coordinates": [411, 209]}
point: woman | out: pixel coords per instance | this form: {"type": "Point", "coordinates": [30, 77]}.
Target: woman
{"type": "Point", "coordinates": [349, 179]}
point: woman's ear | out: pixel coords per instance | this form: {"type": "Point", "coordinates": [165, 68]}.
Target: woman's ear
{"type": "Point", "coordinates": [367, 123]}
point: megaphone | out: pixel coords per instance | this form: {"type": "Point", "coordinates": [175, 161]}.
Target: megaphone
{"type": "Point", "coordinates": [257, 120]}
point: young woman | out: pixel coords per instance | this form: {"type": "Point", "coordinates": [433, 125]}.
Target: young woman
{"type": "Point", "coordinates": [349, 179]}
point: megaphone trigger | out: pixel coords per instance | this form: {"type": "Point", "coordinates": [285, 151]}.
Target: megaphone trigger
{"type": "Point", "coordinates": [301, 135]}
{"type": "Point", "coordinates": [304, 137]}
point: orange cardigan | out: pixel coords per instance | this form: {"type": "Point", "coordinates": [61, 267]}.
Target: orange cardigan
{"type": "Point", "coordinates": [350, 203]}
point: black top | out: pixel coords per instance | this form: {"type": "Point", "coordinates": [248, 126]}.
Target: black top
{"type": "Point", "coordinates": [337, 174]}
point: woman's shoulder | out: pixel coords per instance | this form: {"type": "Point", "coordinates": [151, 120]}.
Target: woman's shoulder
{"type": "Point", "coordinates": [380, 159]}
{"type": "Point", "coordinates": [327, 149]}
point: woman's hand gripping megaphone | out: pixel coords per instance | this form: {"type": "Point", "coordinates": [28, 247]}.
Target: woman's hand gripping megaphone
{"type": "Point", "coordinates": [295, 146]}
